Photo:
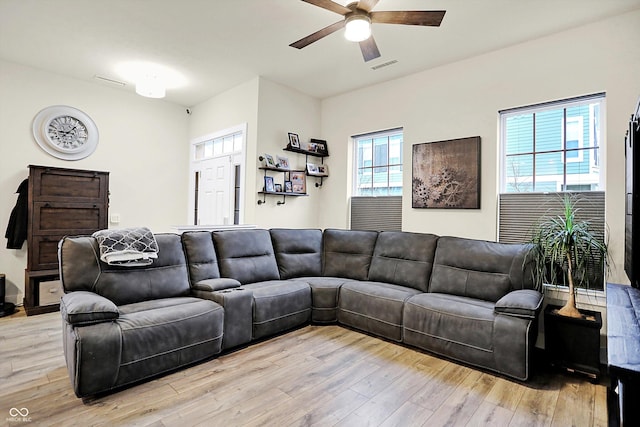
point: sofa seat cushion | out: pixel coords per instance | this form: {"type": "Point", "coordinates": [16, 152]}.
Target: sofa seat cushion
{"type": "Point", "coordinates": [324, 297]}
{"type": "Point", "coordinates": [160, 335]}
{"type": "Point", "coordinates": [279, 305]}
{"type": "Point", "coordinates": [449, 320]}
{"type": "Point", "coordinates": [374, 307]}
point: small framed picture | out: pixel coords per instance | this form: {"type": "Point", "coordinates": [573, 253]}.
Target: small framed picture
{"type": "Point", "coordinates": [278, 188]}
{"type": "Point", "coordinates": [294, 140]}
{"type": "Point", "coordinates": [288, 187]}
{"type": "Point", "coordinates": [319, 146]}
{"type": "Point", "coordinates": [323, 170]}
{"type": "Point", "coordinates": [298, 182]}
{"type": "Point", "coordinates": [268, 184]}
{"type": "Point", "coordinates": [268, 161]}
{"type": "Point", "coordinates": [282, 162]}
{"type": "Point", "coordinates": [312, 169]}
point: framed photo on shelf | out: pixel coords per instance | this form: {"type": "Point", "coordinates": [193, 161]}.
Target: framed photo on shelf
{"type": "Point", "coordinates": [323, 170]}
{"type": "Point", "coordinates": [282, 162]}
{"type": "Point", "coordinates": [268, 161]}
{"type": "Point", "coordinates": [294, 140]}
{"type": "Point", "coordinates": [317, 170]}
{"type": "Point", "coordinates": [298, 182]}
{"type": "Point", "coordinates": [288, 188]}
{"type": "Point", "coordinates": [278, 188]}
{"type": "Point", "coordinates": [268, 184]}
{"type": "Point", "coordinates": [318, 146]}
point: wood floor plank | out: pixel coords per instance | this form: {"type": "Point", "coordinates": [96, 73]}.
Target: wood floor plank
{"type": "Point", "coordinates": [574, 391]}
{"type": "Point", "coordinates": [538, 402]}
{"type": "Point", "coordinates": [489, 414]}
{"type": "Point", "coordinates": [464, 401]}
{"type": "Point", "coordinates": [600, 416]}
{"type": "Point", "coordinates": [315, 375]}
{"type": "Point", "coordinates": [506, 393]}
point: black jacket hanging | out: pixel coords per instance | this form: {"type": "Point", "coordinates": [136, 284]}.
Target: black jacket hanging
{"type": "Point", "coordinates": [16, 232]}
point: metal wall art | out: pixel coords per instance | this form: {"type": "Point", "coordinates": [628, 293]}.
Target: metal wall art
{"type": "Point", "coordinates": [446, 174]}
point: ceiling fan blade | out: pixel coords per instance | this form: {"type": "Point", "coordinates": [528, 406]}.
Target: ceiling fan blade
{"type": "Point", "coordinates": [306, 41]}
{"type": "Point", "coordinates": [367, 4]}
{"type": "Point", "coordinates": [369, 49]}
{"type": "Point", "coordinates": [428, 18]}
{"type": "Point", "coordinates": [329, 5]}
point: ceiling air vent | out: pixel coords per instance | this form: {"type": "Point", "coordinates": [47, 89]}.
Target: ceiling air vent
{"type": "Point", "coordinates": [108, 80]}
{"type": "Point", "coordinates": [386, 64]}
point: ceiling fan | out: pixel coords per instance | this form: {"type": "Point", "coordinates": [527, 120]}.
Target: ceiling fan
{"type": "Point", "coordinates": [358, 17]}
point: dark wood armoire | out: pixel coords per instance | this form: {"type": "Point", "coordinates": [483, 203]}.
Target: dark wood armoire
{"type": "Point", "coordinates": [61, 202]}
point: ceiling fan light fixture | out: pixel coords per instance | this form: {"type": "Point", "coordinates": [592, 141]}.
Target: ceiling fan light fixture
{"type": "Point", "coordinates": [357, 28]}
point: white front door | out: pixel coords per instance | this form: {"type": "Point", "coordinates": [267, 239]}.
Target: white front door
{"type": "Point", "coordinates": [215, 205]}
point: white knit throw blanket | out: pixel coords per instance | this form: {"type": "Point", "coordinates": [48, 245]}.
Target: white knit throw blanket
{"type": "Point", "coordinates": [129, 247]}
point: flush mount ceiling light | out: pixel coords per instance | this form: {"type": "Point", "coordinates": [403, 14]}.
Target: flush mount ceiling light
{"type": "Point", "coordinates": [151, 86]}
{"type": "Point", "coordinates": [151, 80]}
{"type": "Point", "coordinates": [357, 28]}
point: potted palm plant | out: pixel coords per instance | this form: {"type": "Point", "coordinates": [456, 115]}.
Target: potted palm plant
{"type": "Point", "coordinates": [565, 250]}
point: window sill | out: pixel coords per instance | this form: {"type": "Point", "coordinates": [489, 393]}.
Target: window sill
{"type": "Point", "coordinates": [583, 296]}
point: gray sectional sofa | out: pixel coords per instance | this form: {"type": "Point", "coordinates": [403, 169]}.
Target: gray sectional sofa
{"type": "Point", "coordinates": [468, 300]}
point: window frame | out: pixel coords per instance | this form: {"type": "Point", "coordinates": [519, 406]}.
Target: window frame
{"type": "Point", "coordinates": [595, 160]}
{"type": "Point", "coordinates": [388, 134]}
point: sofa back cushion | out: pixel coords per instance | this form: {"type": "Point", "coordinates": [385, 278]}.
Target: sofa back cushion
{"type": "Point", "coordinates": [246, 255]}
{"type": "Point", "coordinates": [298, 252]}
{"type": "Point", "coordinates": [347, 253]}
{"type": "Point", "coordinates": [404, 259]}
{"type": "Point", "coordinates": [478, 269]}
{"type": "Point", "coordinates": [82, 270]}
{"type": "Point", "coordinates": [201, 255]}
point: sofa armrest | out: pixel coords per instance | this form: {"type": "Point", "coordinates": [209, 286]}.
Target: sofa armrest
{"type": "Point", "coordinates": [85, 308]}
{"type": "Point", "coordinates": [525, 303]}
{"type": "Point", "coordinates": [211, 285]}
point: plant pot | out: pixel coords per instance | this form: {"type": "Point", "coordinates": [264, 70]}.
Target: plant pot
{"type": "Point", "coordinates": [573, 343]}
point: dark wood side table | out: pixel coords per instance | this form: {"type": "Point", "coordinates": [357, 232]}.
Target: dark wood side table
{"type": "Point", "coordinates": [623, 348]}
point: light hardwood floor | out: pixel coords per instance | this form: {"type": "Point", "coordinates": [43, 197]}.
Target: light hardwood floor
{"type": "Point", "coordinates": [317, 375]}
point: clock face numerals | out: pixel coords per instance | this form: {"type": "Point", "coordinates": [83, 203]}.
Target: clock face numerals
{"type": "Point", "coordinates": [67, 132]}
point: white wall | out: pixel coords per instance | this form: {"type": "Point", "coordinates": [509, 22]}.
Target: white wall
{"type": "Point", "coordinates": [283, 110]}
{"type": "Point", "coordinates": [463, 99]}
{"type": "Point", "coordinates": [234, 107]}
{"type": "Point", "coordinates": [270, 111]}
{"type": "Point", "coordinates": [141, 144]}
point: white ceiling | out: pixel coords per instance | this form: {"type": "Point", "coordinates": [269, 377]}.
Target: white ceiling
{"type": "Point", "coordinates": [218, 44]}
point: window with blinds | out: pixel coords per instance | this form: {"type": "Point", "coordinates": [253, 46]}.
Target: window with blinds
{"type": "Point", "coordinates": [519, 213]}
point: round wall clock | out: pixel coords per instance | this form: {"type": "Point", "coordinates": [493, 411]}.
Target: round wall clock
{"type": "Point", "coordinates": [65, 132]}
